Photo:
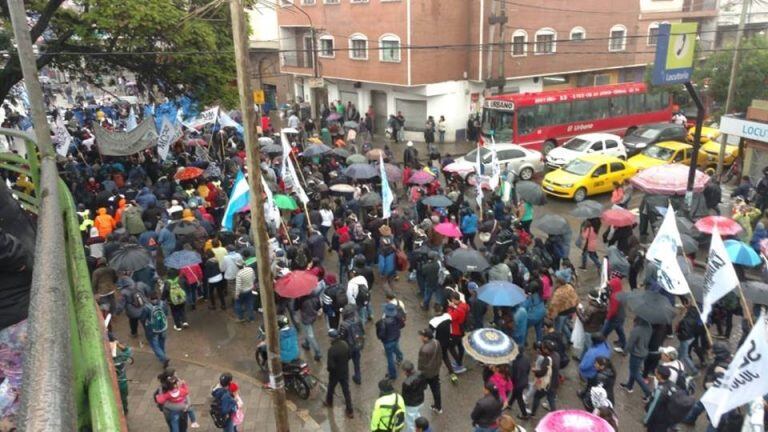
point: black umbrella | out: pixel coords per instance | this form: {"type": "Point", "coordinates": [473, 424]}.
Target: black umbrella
{"type": "Point", "coordinates": [552, 224]}
{"type": "Point", "coordinates": [361, 171]}
{"type": "Point", "coordinates": [316, 150]}
{"type": "Point", "coordinates": [617, 261]}
{"type": "Point", "coordinates": [467, 260]}
{"type": "Point", "coordinates": [437, 201]}
{"type": "Point", "coordinates": [650, 306]}
{"type": "Point", "coordinates": [530, 192]}
{"type": "Point", "coordinates": [754, 291]}
{"type": "Point", "coordinates": [587, 209]}
{"type": "Point", "coordinates": [272, 149]}
{"type": "Point", "coordinates": [371, 199]}
{"type": "Point", "coordinates": [130, 258]}
{"type": "Point", "coordinates": [684, 226]}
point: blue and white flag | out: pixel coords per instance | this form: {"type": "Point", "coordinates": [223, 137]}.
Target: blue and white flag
{"type": "Point", "coordinates": [130, 122]}
{"type": "Point", "coordinates": [226, 121]}
{"type": "Point", "coordinates": [238, 199]}
{"type": "Point", "coordinates": [386, 192]}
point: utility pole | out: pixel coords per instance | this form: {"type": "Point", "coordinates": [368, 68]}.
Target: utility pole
{"type": "Point", "coordinates": [259, 226]}
{"type": "Point", "coordinates": [501, 21]}
{"type": "Point", "coordinates": [745, 6]}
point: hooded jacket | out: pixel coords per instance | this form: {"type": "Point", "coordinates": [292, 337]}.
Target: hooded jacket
{"type": "Point", "coordinates": [132, 220]}
{"type": "Point", "coordinates": [145, 198]}
{"type": "Point", "coordinates": [104, 222]}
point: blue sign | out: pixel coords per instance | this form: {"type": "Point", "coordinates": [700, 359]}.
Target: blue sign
{"type": "Point", "coordinates": [675, 50]}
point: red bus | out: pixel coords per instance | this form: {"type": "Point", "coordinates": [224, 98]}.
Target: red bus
{"type": "Point", "coordinates": [541, 121]}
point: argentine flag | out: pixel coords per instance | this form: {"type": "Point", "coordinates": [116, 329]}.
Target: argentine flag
{"type": "Point", "coordinates": [238, 199]}
{"type": "Point", "coordinates": [386, 192]}
{"type": "Point", "coordinates": [130, 122]}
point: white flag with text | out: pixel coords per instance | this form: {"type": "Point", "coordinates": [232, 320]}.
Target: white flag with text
{"type": "Point", "coordinates": [719, 278]}
{"type": "Point", "coordinates": [667, 240]}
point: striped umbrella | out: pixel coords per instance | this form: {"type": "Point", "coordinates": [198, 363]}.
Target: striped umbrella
{"type": "Point", "coordinates": [490, 346]}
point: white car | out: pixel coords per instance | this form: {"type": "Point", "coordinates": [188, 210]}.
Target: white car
{"type": "Point", "coordinates": [592, 143]}
{"type": "Point", "coordinates": [521, 160]}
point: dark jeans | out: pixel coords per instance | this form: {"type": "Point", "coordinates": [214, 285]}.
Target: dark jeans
{"type": "Point", "coordinates": [244, 306]}
{"type": "Point", "coordinates": [393, 354]}
{"type": "Point", "coordinates": [517, 395]}
{"type": "Point", "coordinates": [354, 355]}
{"type": "Point", "coordinates": [179, 314]}
{"type": "Point", "coordinates": [457, 349]}
{"type": "Point", "coordinates": [650, 363]}
{"type": "Point", "coordinates": [434, 387]}
{"type": "Point", "coordinates": [446, 360]}
{"type": "Point", "coordinates": [618, 326]}
{"type": "Point", "coordinates": [635, 364]}
{"type": "Point", "coordinates": [134, 324]}
{"type": "Point", "coordinates": [469, 239]}
{"type": "Point", "coordinates": [539, 395]}
{"type": "Point", "coordinates": [217, 289]}
{"type": "Point", "coordinates": [333, 380]}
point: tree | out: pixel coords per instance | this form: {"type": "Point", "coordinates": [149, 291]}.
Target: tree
{"type": "Point", "coordinates": [175, 46]}
{"type": "Point", "coordinates": [751, 81]}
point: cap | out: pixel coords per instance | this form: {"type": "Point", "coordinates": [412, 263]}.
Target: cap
{"type": "Point", "coordinates": [385, 386]}
{"type": "Point", "coordinates": [669, 351]}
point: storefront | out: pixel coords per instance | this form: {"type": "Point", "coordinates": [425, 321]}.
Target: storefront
{"type": "Point", "coordinates": [755, 136]}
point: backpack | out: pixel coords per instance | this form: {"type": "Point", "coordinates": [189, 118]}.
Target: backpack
{"type": "Point", "coordinates": [176, 293]}
{"type": "Point", "coordinates": [363, 295]}
{"type": "Point", "coordinates": [679, 404]}
{"type": "Point", "coordinates": [220, 418]}
{"type": "Point", "coordinates": [684, 381]}
{"type": "Point", "coordinates": [381, 329]}
{"type": "Point", "coordinates": [354, 335]}
{"type": "Point", "coordinates": [136, 303]}
{"type": "Point", "coordinates": [157, 321]}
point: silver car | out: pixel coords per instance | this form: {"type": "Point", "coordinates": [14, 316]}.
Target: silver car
{"type": "Point", "coordinates": [526, 163]}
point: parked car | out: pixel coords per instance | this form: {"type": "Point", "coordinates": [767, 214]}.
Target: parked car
{"type": "Point", "coordinates": [711, 149]}
{"type": "Point", "coordinates": [523, 161]}
{"type": "Point", "coordinates": [587, 175]}
{"type": "Point", "coordinates": [666, 152]}
{"type": "Point", "coordinates": [595, 143]}
{"type": "Point", "coordinates": [647, 135]}
{"type": "Point", "coordinates": [707, 134]}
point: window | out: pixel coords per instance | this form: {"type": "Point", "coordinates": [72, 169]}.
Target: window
{"type": "Point", "coordinates": [358, 47]}
{"type": "Point", "coordinates": [602, 79]}
{"type": "Point", "coordinates": [581, 111]}
{"type": "Point", "coordinates": [545, 41]}
{"type": "Point", "coordinates": [286, 2]}
{"type": "Point", "coordinates": [610, 144]}
{"type": "Point", "coordinates": [601, 108]}
{"type": "Point", "coordinates": [600, 171]}
{"type": "Point", "coordinates": [561, 113]}
{"type": "Point", "coordinates": [414, 111]}
{"type": "Point", "coordinates": [331, 1]}
{"type": "Point", "coordinates": [597, 146]}
{"type": "Point", "coordinates": [519, 43]}
{"type": "Point", "coordinates": [578, 34]}
{"type": "Point", "coordinates": [679, 156]}
{"type": "Point", "coordinates": [510, 154]}
{"type": "Point", "coordinates": [358, 1]}
{"type": "Point", "coordinates": [389, 48]}
{"type": "Point", "coordinates": [308, 2]}
{"type": "Point", "coordinates": [616, 166]}
{"type": "Point", "coordinates": [618, 38]}
{"type": "Point", "coordinates": [618, 106]}
{"type": "Point", "coordinates": [653, 34]}
{"type": "Point", "coordinates": [636, 103]}
{"type": "Point", "coordinates": [326, 47]}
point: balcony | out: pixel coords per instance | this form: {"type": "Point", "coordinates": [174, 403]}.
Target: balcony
{"type": "Point", "coordinates": [687, 10]}
{"type": "Point", "coordinates": [296, 48]}
{"type": "Point", "coordinates": [296, 60]}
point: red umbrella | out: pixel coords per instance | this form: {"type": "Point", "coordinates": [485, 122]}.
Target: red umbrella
{"type": "Point", "coordinates": [618, 217]}
{"type": "Point", "coordinates": [725, 226]}
{"type": "Point", "coordinates": [668, 180]}
{"type": "Point", "coordinates": [448, 229]}
{"type": "Point", "coordinates": [421, 178]}
{"type": "Point", "coordinates": [295, 284]}
{"type": "Point", "coordinates": [188, 173]}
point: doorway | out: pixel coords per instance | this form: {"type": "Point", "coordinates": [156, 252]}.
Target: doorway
{"type": "Point", "coordinates": [379, 102]}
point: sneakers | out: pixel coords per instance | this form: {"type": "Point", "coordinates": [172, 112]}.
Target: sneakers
{"type": "Point", "coordinates": [436, 409]}
{"type": "Point", "coordinates": [177, 328]}
{"type": "Point", "coordinates": [459, 369]}
{"type": "Point", "coordinates": [195, 425]}
{"type": "Point", "coordinates": [618, 349]}
{"type": "Point", "coordinates": [646, 399]}
{"type": "Point", "coordinates": [454, 378]}
{"type": "Point", "coordinates": [626, 388]}
{"type": "Point", "coordinates": [185, 325]}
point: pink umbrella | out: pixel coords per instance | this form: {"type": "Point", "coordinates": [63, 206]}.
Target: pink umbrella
{"type": "Point", "coordinates": [484, 182]}
{"type": "Point", "coordinates": [725, 226]}
{"type": "Point", "coordinates": [448, 229]}
{"type": "Point", "coordinates": [462, 167]}
{"type": "Point", "coordinates": [618, 217]}
{"type": "Point", "coordinates": [572, 421]}
{"type": "Point", "coordinates": [295, 284]}
{"type": "Point", "coordinates": [668, 180]}
{"type": "Point", "coordinates": [421, 178]}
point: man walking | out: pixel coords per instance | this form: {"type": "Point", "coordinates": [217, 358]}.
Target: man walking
{"type": "Point", "coordinates": [430, 358]}
{"type": "Point", "coordinates": [388, 331]}
{"type": "Point", "coordinates": [389, 410]}
{"type": "Point", "coordinates": [353, 332]}
{"type": "Point", "coordinates": [413, 394]}
{"type": "Point", "coordinates": [309, 311]}
{"type": "Point", "coordinates": [338, 371]}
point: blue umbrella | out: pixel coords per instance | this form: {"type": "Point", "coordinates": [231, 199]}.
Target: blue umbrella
{"type": "Point", "coordinates": [183, 258]}
{"type": "Point", "coordinates": [742, 253]}
{"type": "Point", "coordinates": [501, 293]}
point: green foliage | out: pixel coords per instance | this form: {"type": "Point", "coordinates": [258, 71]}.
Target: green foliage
{"type": "Point", "coordinates": [751, 79]}
{"type": "Point", "coordinates": [174, 46]}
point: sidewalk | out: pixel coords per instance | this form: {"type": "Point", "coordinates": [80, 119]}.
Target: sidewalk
{"type": "Point", "coordinates": [144, 416]}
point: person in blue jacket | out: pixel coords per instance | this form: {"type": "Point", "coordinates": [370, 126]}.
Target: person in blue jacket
{"type": "Point", "coordinates": [227, 403]}
{"type": "Point", "coordinates": [289, 340]}
{"type": "Point", "coordinates": [468, 227]}
{"type": "Point", "coordinates": [587, 369]}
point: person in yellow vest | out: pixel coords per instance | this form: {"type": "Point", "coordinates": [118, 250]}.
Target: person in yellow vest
{"type": "Point", "coordinates": [389, 410]}
{"type": "Point", "coordinates": [84, 216]}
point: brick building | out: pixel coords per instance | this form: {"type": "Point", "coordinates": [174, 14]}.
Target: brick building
{"type": "Point", "coordinates": [435, 57]}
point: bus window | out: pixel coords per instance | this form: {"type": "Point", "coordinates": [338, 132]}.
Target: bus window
{"type": "Point", "coordinates": [526, 120]}
{"type": "Point", "coordinates": [581, 111]}
{"type": "Point", "coordinates": [500, 123]}
{"type": "Point", "coordinates": [636, 103]}
{"type": "Point", "coordinates": [561, 113]}
{"type": "Point", "coordinates": [655, 102]}
{"type": "Point", "coordinates": [601, 108]}
{"type": "Point", "coordinates": [618, 106]}
{"type": "Point", "coordinates": [543, 115]}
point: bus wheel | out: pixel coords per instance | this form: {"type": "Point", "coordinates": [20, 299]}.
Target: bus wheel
{"type": "Point", "coordinates": [549, 145]}
{"type": "Point", "coordinates": [580, 194]}
{"type": "Point", "coordinates": [630, 130]}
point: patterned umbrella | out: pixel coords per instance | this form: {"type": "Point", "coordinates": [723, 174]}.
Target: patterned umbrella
{"type": "Point", "coordinates": [421, 178]}
{"type": "Point", "coordinates": [725, 226]}
{"type": "Point", "coordinates": [572, 421]}
{"type": "Point", "coordinates": [462, 167]}
{"type": "Point", "coordinates": [668, 180]}
{"type": "Point", "coordinates": [188, 173]}
{"type": "Point", "coordinates": [490, 346]}
{"type": "Point", "coordinates": [618, 217]}
{"type": "Point", "coordinates": [448, 229]}
{"type": "Point", "coordinates": [182, 258]}
{"type": "Point", "coordinates": [361, 171]}
{"type": "Point", "coordinates": [295, 284]}
{"type": "Point", "coordinates": [501, 293]}
{"type": "Point", "coordinates": [394, 173]}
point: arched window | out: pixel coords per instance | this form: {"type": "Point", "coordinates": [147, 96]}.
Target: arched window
{"type": "Point", "coordinates": [389, 48]}
{"type": "Point", "coordinates": [545, 41]}
{"type": "Point", "coordinates": [519, 43]}
{"type": "Point", "coordinates": [578, 33]}
{"type": "Point", "coordinates": [617, 40]}
{"type": "Point", "coordinates": [358, 47]}
{"type": "Point", "coordinates": [327, 46]}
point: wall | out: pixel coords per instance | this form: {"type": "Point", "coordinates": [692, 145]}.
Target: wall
{"type": "Point", "coordinates": [263, 25]}
{"type": "Point", "coordinates": [649, 6]}
{"type": "Point", "coordinates": [436, 23]}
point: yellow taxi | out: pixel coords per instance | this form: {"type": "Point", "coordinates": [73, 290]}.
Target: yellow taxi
{"type": "Point", "coordinates": [711, 150]}
{"type": "Point", "coordinates": [665, 152]}
{"type": "Point", "coordinates": [707, 134]}
{"type": "Point", "coordinates": [587, 175]}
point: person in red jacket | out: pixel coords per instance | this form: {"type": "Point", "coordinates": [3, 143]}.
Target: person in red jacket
{"type": "Point", "coordinates": [614, 318]}
{"type": "Point", "coordinates": [458, 310]}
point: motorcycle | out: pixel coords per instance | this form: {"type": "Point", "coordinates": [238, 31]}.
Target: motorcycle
{"type": "Point", "coordinates": [296, 374]}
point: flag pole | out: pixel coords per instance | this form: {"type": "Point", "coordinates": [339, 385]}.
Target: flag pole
{"type": "Point", "coordinates": [698, 309]}
{"type": "Point", "coordinates": [747, 310]}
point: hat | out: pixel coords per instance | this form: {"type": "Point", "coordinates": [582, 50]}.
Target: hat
{"type": "Point", "coordinates": [385, 230]}
{"type": "Point", "coordinates": [187, 215]}
{"type": "Point", "coordinates": [390, 310]}
{"type": "Point", "coordinates": [427, 332]}
{"type": "Point", "coordinates": [407, 366]}
{"type": "Point", "coordinates": [410, 144]}
{"type": "Point", "coordinates": [564, 275]}
{"type": "Point", "coordinates": [385, 386]}
{"type": "Point", "coordinates": [671, 352]}
{"type": "Point", "coordinates": [333, 333]}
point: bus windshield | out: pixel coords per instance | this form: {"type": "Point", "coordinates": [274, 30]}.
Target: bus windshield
{"type": "Point", "coordinates": [499, 124]}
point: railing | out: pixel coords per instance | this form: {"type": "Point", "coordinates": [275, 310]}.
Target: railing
{"type": "Point", "coordinates": [69, 380]}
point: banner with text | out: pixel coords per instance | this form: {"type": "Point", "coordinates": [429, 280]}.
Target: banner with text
{"type": "Point", "coordinates": [126, 143]}
{"type": "Point", "coordinates": [719, 278]}
{"type": "Point", "coordinates": [169, 133]}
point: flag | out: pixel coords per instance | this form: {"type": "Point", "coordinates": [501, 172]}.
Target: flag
{"type": "Point", "coordinates": [169, 133]}
{"type": "Point", "coordinates": [667, 241]}
{"type": "Point", "coordinates": [63, 138]}
{"type": "Point", "coordinates": [226, 121]}
{"type": "Point", "coordinates": [478, 183]}
{"type": "Point", "coordinates": [719, 278]}
{"type": "Point", "coordinates": [238, 199]}
{"type": "Point", "coordinates": [271, 212]}
{"type": "Point", "coordinates": [292, 180]}
{"type": "Point", "coordinates": [746, 378]}
{"type": "Point", "coordinates": [386, 192]}
{"type": "Point", "coordinates": [495, 168]}
{"type": "Point", "coordinates": [286, 152]}
{"type": "Point", "coordinates": [206, 117]}
{"type": "Point", "coordinates": [671, 278]}
{"type": "Point", "coordinates": [130, 122]}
